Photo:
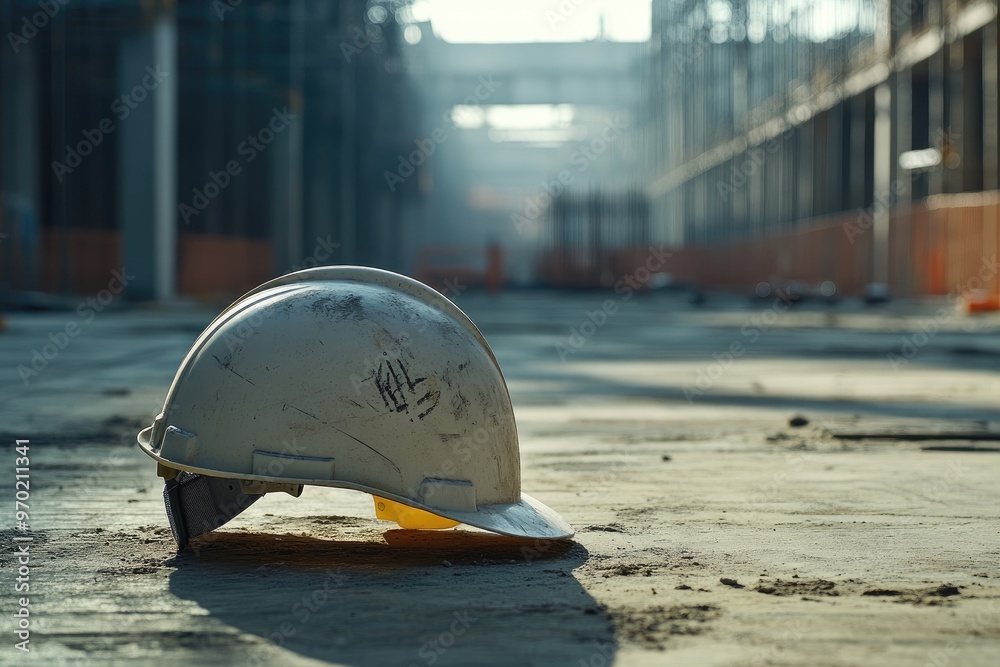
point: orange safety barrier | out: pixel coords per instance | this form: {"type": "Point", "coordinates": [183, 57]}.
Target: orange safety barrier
{"type": "Point", "coordinates": [945, 244]}
{"type": "Point", "coordinates": [212, 264]}
{"type": "Point", "coordinates": [208, 264]}
{"type": "Point", "coordinates": [449, 268]}
{"type": "Point", "coordinates": [93, 254]}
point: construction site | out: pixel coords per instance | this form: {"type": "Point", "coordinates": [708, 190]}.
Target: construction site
{"type": "Point", "coordinates": [466, 332]}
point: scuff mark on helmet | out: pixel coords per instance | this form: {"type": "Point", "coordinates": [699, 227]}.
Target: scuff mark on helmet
{"type": "Point", "coordinates": [225, 364]}
{"type": "Point", "coordinates": [460, 404]}
{"type": "Point", "coordinates": [350, 306]}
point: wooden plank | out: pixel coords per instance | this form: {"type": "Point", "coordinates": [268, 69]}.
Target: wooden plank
{"type": "Point", "coordinates": [915, 431]}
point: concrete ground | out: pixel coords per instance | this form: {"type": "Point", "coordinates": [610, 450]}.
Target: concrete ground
{"type": "Point", "coordinates": [710, 530]}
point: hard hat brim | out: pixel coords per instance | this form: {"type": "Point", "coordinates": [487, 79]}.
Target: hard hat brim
{"type": "Point", "coordinates": [528, 518]}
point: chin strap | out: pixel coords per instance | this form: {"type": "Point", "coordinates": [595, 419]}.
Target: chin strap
{"type": "Point", "coordinates": [198, 504]}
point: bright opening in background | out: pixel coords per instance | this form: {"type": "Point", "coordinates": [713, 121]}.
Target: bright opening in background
{"type": "Point", "coordinates": [513, 116]}
{"type": "Point", "coordinates": [547, 124]}
{"type": "Point", "coordinates": [518, 21]}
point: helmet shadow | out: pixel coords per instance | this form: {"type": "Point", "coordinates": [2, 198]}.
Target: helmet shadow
{"type": "Point", "coordinates": [418, 598]}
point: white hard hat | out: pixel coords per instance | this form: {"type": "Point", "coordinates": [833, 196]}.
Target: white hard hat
{"type": "Point", "coordinates": [349, 377]}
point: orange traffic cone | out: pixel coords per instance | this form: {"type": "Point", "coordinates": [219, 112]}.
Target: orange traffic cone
{"type": "Point", "coordinates": [981, 301]}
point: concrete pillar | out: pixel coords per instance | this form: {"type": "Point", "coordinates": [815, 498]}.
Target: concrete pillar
{"type": "Point", "coordinates": [285, 159]}
{"type": "Point", "coordinates": [348, 124]}
{"type": "Point", "coordinates": [856, 186]}
{"type": "Point", "coordinates": [883, 179]}
{"type": "Point", "coordinates": [834, 182]}
{"type": "Point", "coordinates": [991, 145]}
{"type": "Point", "coordinates": [956, 136]}
{"type": "Point", "coordinates": [936, 97]}
{"type": "Point", "coordinates": [280, 156]}
{"type": "Point", "coordinates": [296, 76]}
{"type": "Point", "coordinates": [903, 125]}
{"type": "Point", "coordinates": [902, 137]}
{"type": "Point", "coordinates": [20, 168]}
{"type": "Point", "coordinates": [147, 155]}
{"type": "Point", "coordinates": [165, 156]}
{"type": "Point", "coordinates": [804, 189]}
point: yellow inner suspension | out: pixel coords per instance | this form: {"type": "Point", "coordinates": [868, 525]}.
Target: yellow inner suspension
{"type": "Point", "coordinates": [410, 517]}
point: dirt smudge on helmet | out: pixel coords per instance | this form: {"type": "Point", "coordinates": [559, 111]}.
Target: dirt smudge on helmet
{"type": "Point", "coordinates": [350, 306]}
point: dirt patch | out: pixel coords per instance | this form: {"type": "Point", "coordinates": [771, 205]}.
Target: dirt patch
{"type": "Point", "coordinates": [934, 595]}
{"type": "Point", "coordinates": [655, 625]}
{"type": "Point", "coordinates": [627, 570]}
{"type": "Point", "coordinates": [138, 569]}
{"type": "Point", "coordinates": [345, 521]}
{"type": "Point", "coordinates": [783, 587]}
{"type": "Point", "coordinates": [610, 528]}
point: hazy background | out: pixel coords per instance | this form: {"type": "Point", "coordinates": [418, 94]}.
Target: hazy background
{"type": "Point", "coordinates": [209, 146]}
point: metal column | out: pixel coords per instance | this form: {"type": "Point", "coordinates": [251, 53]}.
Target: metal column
{"type": "Point", "coordinates": [147, 199]}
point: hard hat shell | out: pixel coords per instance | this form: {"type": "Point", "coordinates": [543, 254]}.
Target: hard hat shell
{"type": "Point", "coordinates": [357, 378]}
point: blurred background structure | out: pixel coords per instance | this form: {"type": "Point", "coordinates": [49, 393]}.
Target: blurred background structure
{"type": "Point", "coordinates": [256, 148]}
{"type": "Point", "coordinates": [208, 146]}
{"type": "Point", "coordinates": [849, 140]}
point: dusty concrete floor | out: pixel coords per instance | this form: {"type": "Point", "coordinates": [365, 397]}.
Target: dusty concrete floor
{"type": "Point", "coordinates": [836, 551]}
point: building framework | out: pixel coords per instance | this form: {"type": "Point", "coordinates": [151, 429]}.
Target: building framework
{"type": "Point", "coordinates": [205, 146]}
{"type": "Point", "coordinates": [769, 121]}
